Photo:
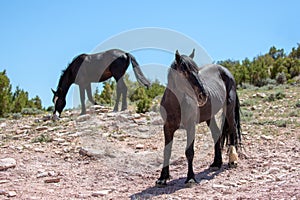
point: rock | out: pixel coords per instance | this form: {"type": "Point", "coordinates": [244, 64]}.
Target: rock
{"type": "Point", "coordinates": [25, 127]}
{"type": "Point", "coordinates": [19, 132]}
{"type": "Point", "coordinates": [122, 118]}
{"type": "Point", "coordinates": [273, 170]}
{"type": "Point", "coordinates": [136, 116]}
{"type": "Point", "coordinates": [219, 186]}
{"type": "Point", "coordinates": [3, 125]}
{"type": "Point", "coordinates": [39, 150]}
{"type": "Point", "coordinates": [143, 129]}
{"type": "Point", "coordinates": [41, 128]}
{"type": "Point", "coordinates": [42, 174]}
{"type": "Point", "coordinates": [261, 95]}
{"type": "Point", "coordinates": [101, 193]}
{"type": "Point", "coordinates": [59, 140]}
{"type": "Point", "coordinates": [242, 182]}
{"type": "Point", "coordinates": [2, 182]}
{"type": "Point", "coordinates": [7, 163]}
{"type": "Point", "coordinates": [3, 192]}
{"type": "Point", "coordinates": [157, 121]}
{"type": "Point", "coordinates": [11, 194]}
{"type": "Point", "coordinates": [46, 118]}
{"type": "Point", "coordinates": [86, 152]}
{"type": "Point", "coordinates": [83, 118]}
{"type": "Point", "coordinates": [112, 114]}
{"type": "Point", "coordinates": [99, 109]}
{"type": "Point", "coordinates": [266, 137]}
{"type": "Point", "coordinates": [140, 121]}
{"type": "Point", "coordinates": [52, 180]}
{"type": "Point", "coordinates": [139, 146]}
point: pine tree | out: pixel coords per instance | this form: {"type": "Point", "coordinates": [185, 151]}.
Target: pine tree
{"type": "Point", "coordinates": [5, 94]}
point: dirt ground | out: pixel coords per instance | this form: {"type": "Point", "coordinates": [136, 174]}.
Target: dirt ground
{"type": "Point", "coordinates": [105, 155]}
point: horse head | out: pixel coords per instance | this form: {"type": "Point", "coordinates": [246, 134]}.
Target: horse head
{"type": "Point", "coordinates": [187, 69]}
{"type": "Point", "coordinates": [59, 102]}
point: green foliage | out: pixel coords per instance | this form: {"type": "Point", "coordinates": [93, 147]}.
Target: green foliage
{"type": "Point", "coordinates": [297, 105]}
{"type": "Point", "coordinates": [31, 111]}
{"type": "Point", "coordinates": [5, 94]}
{"type": "Point", "coordinates": [143, 105]}
{"type": "Point", "coordinates": [138, 94]}
{"type": "Point", "coordinates": [276, 96]}
{"type": "Point", "coordinates": [144, 97]}
{"type": "Point", "coordinates": [20, 100]}
{"type": "Point", "coordinates": [281, 78]}
{"type": "Point", "coordinates": [14, 102]}
{"type": "Point", "coordinates": [105, 97]}
{"type": "Point", "coordinates": [156, 89]}
{"type": "Point", "coordinates": [43, 138]}
{"type": "Point", "coordinates": [265, 67]}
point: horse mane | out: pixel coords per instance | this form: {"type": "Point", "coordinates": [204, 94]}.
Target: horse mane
{"type": "Point", "coordinates": [189, 62]}
{"type": "Point", "coordinates": [69, 70]}
{"type": "Point", "coordinates": [193, 68]}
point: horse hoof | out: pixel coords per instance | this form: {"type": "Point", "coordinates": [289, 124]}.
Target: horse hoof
{"type": "Point", "coordinates": [54, 117]}
{"type": "Point", "coordinates": [190, 183]}
{"type": "Point", "coordinates": [161, 183]}
{"type": "Point", "coordinates": [233, 164]}
{"type": "Point", "coordinates": [215, 166]}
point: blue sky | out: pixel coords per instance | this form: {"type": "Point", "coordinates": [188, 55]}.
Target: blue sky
{"type": "Point", "coordinates": [39, 38]}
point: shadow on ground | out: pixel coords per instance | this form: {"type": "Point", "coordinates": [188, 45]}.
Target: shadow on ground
{"type": "Point", "coordinates": [176, 184]}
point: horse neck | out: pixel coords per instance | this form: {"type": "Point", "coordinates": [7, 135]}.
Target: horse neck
{"type": "Point", "coordinates": [65, 83]}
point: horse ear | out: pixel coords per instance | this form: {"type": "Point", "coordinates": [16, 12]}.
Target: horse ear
{"type": "Point", "coordinates": [192, 54]}
{"type": "Point", "coordinates": [53, 91]}
{"type": "Point", "coordinates": [177, 57]}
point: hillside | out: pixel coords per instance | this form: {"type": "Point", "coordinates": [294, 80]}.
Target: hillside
{"type": "Point", "coordinates": [119, 155]}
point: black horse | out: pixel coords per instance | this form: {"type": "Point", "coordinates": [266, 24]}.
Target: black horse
{"type": "Point", "coordinates": [193, 96]}
{"type": "Point", "coordinates": [98, 67]}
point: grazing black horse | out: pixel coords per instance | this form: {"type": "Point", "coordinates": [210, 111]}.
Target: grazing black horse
{"type": "Point", "coordinates": [193, 96]}
{"type": "Point", "coordinates": [98, 67]}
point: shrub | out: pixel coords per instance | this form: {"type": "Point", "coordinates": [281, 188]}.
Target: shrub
{"type": "Point", "coordinates": [31, 111]}
{"type": "Point", "coordinates": [42, 138]}
{"type": "Point", "coordinates": [281, 78]}
{"type": "Point", "coordinates": [143, 105]}
{"type": "Point", "coordinates": [277, 96]}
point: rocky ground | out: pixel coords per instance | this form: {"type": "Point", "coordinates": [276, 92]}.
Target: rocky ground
{"type": "Point", "coordinates": [106, 155]}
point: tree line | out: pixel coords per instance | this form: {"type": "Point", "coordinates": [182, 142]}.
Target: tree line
{"type": "Point", "coordinates": [17, 101]}
{"type": "Point", "coordinates": [274, 66]}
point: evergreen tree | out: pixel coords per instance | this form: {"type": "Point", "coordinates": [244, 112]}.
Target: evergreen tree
{"type": "Point", "coordinates": [5, 94]}
{"type": "Point", "coordinates": [20, 100]}
{"type": "Point", "coordinates": [35, 102]}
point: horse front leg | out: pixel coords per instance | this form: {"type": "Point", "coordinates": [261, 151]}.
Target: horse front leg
{"type": "Point", "coordinates": [169, 130]}
{"type": "Point", "coordinates": [216, 134]}
{"type": "Point", "coordinates": [82, 99]}
{"type": "Point", "coordinates": [189, 153]}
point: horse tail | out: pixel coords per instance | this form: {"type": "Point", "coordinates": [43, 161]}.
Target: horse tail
{"type": "Point", "coordinates": [225, 131]}
{"type": "Point", "coordinates": [138, 72]}
{"type": "Point", "coordinates": [238, 121]}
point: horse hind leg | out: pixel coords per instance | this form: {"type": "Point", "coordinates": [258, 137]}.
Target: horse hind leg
{"type": "Point", "coordinates": [232, 134]}
{"type": "Point", "coordinates": [124, 94]}
{"type": "Point", "coordinates": [215, 131]}
{"type": "Point", "coordinates": [89, 94]}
